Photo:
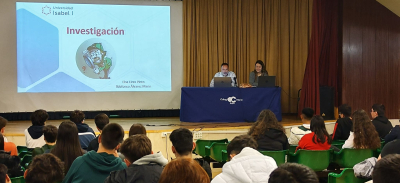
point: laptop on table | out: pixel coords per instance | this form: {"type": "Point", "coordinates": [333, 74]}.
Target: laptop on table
{"type": "Point", "coordinates": [266, 81]}
{"type": "Point", "coordinates": [221, 82]}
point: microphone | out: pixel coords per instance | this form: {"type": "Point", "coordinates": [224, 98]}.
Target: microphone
{"type": "Point", "coordinates": [234, 78]}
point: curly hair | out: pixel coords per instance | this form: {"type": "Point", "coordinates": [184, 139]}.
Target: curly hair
{"type": "Point", "coordinates": [365, 135]}
{"type": "Point", "coordinates": [265, 120]}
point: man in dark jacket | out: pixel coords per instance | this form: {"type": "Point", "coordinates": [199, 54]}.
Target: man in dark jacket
{"type": "Point", "coordinates": [381, 123]}
{"type": "Point", "coordinates": [86, 134]}
{"type": "Point", "coordinates": [344, 124]}
{"type": "Point", "coordinates": [143, 166]}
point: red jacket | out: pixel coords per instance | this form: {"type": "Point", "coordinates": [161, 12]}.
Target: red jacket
{"type": "Point", "coordinates": [307, 143]}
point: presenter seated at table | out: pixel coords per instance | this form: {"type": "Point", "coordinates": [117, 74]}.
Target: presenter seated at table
{"type": "Point", "coordinates": [259, 70]}
{"type": "Point", "coordinates": [225, 73]}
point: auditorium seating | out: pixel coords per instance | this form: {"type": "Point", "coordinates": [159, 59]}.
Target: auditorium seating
{"type": "Point", "coordinates": [346, 176]}
{"type": "Point", "coordinates": [279, 156]}
{"type": "Point", "coordinates": [316, 160]}
{"type": "Point", "coordinates": [18, 180]}
{"type": "Point", "coordinates": [217, 151]}
{"type": "Point", "coordinates": [22, 149]}
{"type": "Point", "coordinates": [26, 160]}
{"type": "Point", "coordinates": [23, 153]}
{"type": "Point", "coordinates": [347, 158]}
{"type": "Point", "coordinates": [201, 146]}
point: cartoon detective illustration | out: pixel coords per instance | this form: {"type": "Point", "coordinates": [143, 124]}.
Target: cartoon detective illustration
{"type": "Point", "coordinates": [96, 58]}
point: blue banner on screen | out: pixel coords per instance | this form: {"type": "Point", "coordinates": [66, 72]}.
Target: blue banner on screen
{"type": "Point", "coordinates": [93, 48]}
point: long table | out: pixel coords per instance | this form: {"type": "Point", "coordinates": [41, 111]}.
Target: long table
{"type": "Point", "coordinates": [200, 104]}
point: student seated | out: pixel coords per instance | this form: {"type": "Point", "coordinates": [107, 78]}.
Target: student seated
{"type": "Point", "coordinates": [86, 134]}
{"type": "Point", "coordinates": [143, 166]}
{"type": "Point", "coordinates": [293, 173]}
{"type": "Point", "coordinates": [96, 166]}
{"type": "Point", "coordinates": [364, 135]}
{"type": "Point", "coordinates": [184, 170]}
{"type": "Point", "coordinates": [34, 134]}
{"type": "Point", "coordinates": [296, 133]}
{"type": "Point", "coordinates": [318, 139]}
{"type": "Point", "coordinates": [101, 121]}
{"type": "Point", "coordinates": [343, 125]}
{"type": "Point", "coordinates": [67, 147]}
{"type": "Point", "coordinates": [183, 146]}
{"type": "Point", "coordinates": [269, 133]}
{"type": "Point", "coordinates": [4, 178]}
{"type": "Point", "coordinates": [393, 134]}
{"type": "Point", "coordinates": [12, 162]}
{"type": "Point", "coordinates": [392, 147]}
{"type": "Point", "coordinates": [381, 123]}
{"type": "Point", "coordinates": [137, 129]}
{"type": "Point", "coordinates": [387, 170]}
{"type": "Point", "coordinates": [50, 135]}
{"type": "Point", "coordinates": [246, 163]}
{"type": "Point", "coordinates": [8, 146]}
{"type": "Point", "coordinates": [44, 168]}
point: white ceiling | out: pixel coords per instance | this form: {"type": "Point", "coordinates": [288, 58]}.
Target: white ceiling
{"type": "Point", "coordinates": [392, 5]}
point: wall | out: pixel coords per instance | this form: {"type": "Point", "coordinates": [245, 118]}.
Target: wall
{"type": "Point", "coordinates": [371, 56]}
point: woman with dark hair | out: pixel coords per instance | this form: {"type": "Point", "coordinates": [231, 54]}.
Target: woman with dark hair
{"type": "Point", "coordinates": [183, 170]}
{"type": "Point", "coordinates": [364, 135]}
{"type": "Point", "coordinates": [12, 162]}
{"type": "Point", "coordinates": [318, 139]}
{"type": "Point", "coordinates": [269, 133]}
{"type": "Point", "coordinates": [67, 147]}
{"type": "Point", "coordinates": [259, 70]}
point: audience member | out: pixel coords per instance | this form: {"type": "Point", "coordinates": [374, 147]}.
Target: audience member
{"type": "Point", "coordinates": [259, 70]}
{"type": "Point", "coordinates": [293, 173]}
{"type": "Point", "coordinates": [137, 129]}
{"type": "Point", "coordinates": [296, 133]}
{"type": "Point", "coordinates": [394, 133]}
{"type": "Point", "coordinates": [96, 166]}
{"type": "Point", "coordinates": [183, 146]}
{"type": "Point", "coordinates": [12, 162]}
{"type": "Point", "coordinates": [392, 147]}
{"type": "Point", "coordinates": [143, 166]}
{"type": "Point", "coordinates": [50, 136]}
{"type": "Point", "coordinates": [246, 163]}
{"type": "Point", "coordinates": [44, 168]}
{"type": "Point", "coordinates": [364, 135]}
{"type": "Point", "coordinates": [387, 170]}
{"type": "Point", "coordinates": [8, 146]}
{"type": "Point", "coordinates": [184, 170]}
{"type": "Point", "coordinates": [381, 123]}
{"type": "Point", "coordinates": [34, 134]}
{"type": "Point", "coordinates": [101, 121]}
{"type": "Point", "coordinates": [318, 139]}
{"type": "Point", "coordinates": [269, 133]}
{"type": "Point", "coordinates": [86, 134]}
{"type": "Point", "coordinates": [225, 73]}
{"type": "Point", "coordinates": [4, 178]}
{"type": "Point", "coordinates": [67, 147]}
{"type": "Point", "coordinates": [344, 124]}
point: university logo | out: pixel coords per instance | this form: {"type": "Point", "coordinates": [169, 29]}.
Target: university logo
{"type": "Point", "coordinates": [231, 100]}
{"type": "Point", "coordinates": [46, 10]}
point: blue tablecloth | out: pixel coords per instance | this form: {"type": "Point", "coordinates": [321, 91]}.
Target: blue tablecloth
{"type": "Point", "coordinates": [228, 104]}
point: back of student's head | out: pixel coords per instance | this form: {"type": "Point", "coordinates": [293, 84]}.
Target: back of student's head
{"type": "Point", "coordinates": [379, 108]}
{"type": "Point", "coordinates": [293, 173]}
{"type": "Point", "coordinates": [240, 142]}
{"type": "Point", "coordinates": [135, 147]}
{"type": "Point", "coordinates": [182, 140]}
{"type": "Point", "coordinates": [45, 168]}
{"type": "Point", "coordinates": [365, 134]}
{"type": "Point", "coordinates": [39, 117]}
{"type": "Point", "coordinates": [3, 173]}
{"type": "Point", "coordinates": [307, 113]}
{"type": "Point", "coordinates": [101, 120]}
{"type": "Point", "coordinates": [345, 109]}
{"type": "Point", "coordinates": [387, 169]}
{"type": "Point", "coordinates": [77, 116]}
{"type": "Point", "coordinates": [184, 170]}
{"type": "Point", "coordinates": [317, 125]}
{"type": "Point", "coordinates": [266, 120]}
{"type": "Point", "coordinates": [3, 122]}
{"type": "Point", "coordinates": [50, 133]}
{"type": "Point", "coordinates": [112, 135]}
{"type": "Point", "coordinates": [137, 129]}
{"type": "Point", "coordinates": [68, 147]}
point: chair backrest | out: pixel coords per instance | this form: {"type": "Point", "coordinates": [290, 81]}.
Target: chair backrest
{"type": "Point", "coordinates": [18, 179]}
{"type": "Point", "coordinates": [279, 156]}
{"type": "Point", "coordinates": [347, 158]}
{"type": "Point", "coordinates": [22, 148]}
{"type": "Point", "coordinates": [316, 160]}
{"type": "Point", "coordinates": [338, 143]}
{"type": "Point", "coordinates": [346, 176]}
{"type": "Point", "coordinates": [292, 148]}
{"type": "Point", "coordinates": [26, 160]}
{"type": "Point", "coordinates": [201, 144]}
{"type": "Point", "coordinates": [215, 151]}
{"type": "Point", "coordinates": [23, 153]}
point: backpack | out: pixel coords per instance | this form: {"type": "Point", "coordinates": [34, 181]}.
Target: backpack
{"type": "Point", "coordinates": [364, 169]}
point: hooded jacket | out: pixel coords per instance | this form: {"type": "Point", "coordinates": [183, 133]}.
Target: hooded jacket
{"type": "Point", "coordinates": [342, 129]}
{"type": "Point", "coordinates": [144, 170]}
{"type": "Point", "coordinates": [382, 126]}
{"type": "Point", "coordinates": [34, 136]}
{"type": "Point", "coordinates": [272, 140]}
{"type": "Point", "coordinates": [249, 166]}
{"type": "Point", "coordinates": [86, 135]}
{"type": "Point", "coordinates": [93, 167]}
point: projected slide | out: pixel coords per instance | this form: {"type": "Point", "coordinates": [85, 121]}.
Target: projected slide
{"type": "Point", "coordinates": [92, 48]}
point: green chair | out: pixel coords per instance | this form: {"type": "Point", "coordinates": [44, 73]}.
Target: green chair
{"type": "Point", "coordinates": [346, 176]}
{"type": "Point", "coordinates": [201, 146]}
{"type": "Point", "coordinates": [292, 148]}
{"type": "Point", "coordinates": [26, 160]}
{"type": "Point", "coordinates": [18, 179]}
{"type": "Point", "coordinates": [215, 152]}
{"type": "Point", "coordinates": [316, 160]}
{"type": "Point", "coordinates": [338, 143]}
{"type": "Point", "coordinates": [347, 158]}
{"type": "Point", "coordinates": [22, 149]}
{"type": "Point", "coordinates": [279, 156]}
{"type": "Point", "coordinates": [23, 153]}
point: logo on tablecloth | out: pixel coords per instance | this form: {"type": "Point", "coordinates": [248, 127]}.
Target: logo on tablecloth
{"type": "Point", "coordinates": [231, 100]}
